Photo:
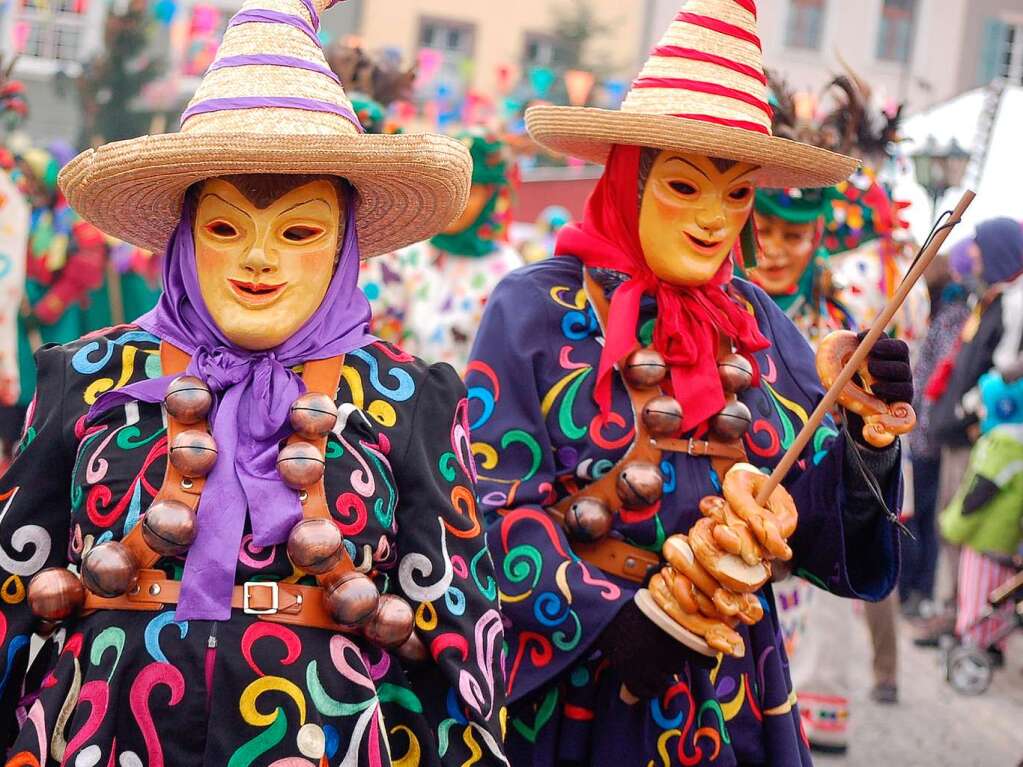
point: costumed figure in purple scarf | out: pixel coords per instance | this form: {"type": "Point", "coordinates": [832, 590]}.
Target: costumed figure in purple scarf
{"type": "Point", "coordinates": [626, 398]}
{"type": "Point", "coordinates": [247, 527]}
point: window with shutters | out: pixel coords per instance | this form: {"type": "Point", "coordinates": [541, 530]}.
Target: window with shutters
{"type": "Point", "coordinates": [805, 24]}
{"type": "Point", "coordinates": [50, 30]}
{"type": "Point", "coordinates": [454, 41]}
{"type": "Point", "coordinates": [895, 34]}
{"type": "Point", "coordinates": [544, 50]}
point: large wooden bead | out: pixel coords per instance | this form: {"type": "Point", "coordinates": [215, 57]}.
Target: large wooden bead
{"type": "Point", "coordinates": [414, 650]}
{"type": "Point", "coordinates": [736, 373]}
{"type": "Point", "coordinates": [588, 520]}
{"type": "Point", "coordinates": [662, 417]}
{"type": "Point", "coordinates": [352, 599]}
{"type": "Point", "coordinates": [109, 570]}
{"type": "Point", "coordinates": [640, 485]}
{"type": "Point", "coordinates": [300, 465]}
{"type": "Point", "coordinates": [645, 369]}
{"type": "Point", "coordinates": [732, 422]}
{"type": "Point", "coordinates": [169, 528]}
{"type": "Point", "coordinates": [392, 623]}
{"type": "Point", "coordinates": [55, 594]}
{"type": "Point", "coordinates": [313, 415]}
{"type": "Point", "coordinates": [193, 453]}
{"type": "Point", "coordinates": [315, 546]}
{"type": "Point", "coordinates": [188, 400]}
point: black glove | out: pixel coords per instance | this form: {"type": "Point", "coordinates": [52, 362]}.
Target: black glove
{"type": "Point", "coordinates": [888, 364]}
{"type": "Point", "coordinates": [643, 655]}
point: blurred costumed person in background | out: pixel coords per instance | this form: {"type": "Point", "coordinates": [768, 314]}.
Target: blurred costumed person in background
{"type": "Point", "coordinates": [64, 263]}
{"type": "Point", "coordinates": [429, 297]}
{"type": "Point", "coordinates": [985, 517]}
{"type": "Point", "coordinates": [252, 525]}
{"type": "Point", "coordinates": [621, 388]}
{"type": "Point", "coordinates": [791, 268]}
{"type": "Point", "coordinates": [14, 229]}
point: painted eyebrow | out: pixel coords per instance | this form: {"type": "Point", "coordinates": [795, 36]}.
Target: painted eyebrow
{"type": "Point", "coordinates": [228, 204]}
{"type": "Point", "coordinates": [304, 202]}
{"type": "Point", "coordinates": [691, 165]}
{"type": "Point", "coordinates": [743, 175]}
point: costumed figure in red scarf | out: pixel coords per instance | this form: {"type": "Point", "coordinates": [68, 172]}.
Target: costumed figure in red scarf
{"type": "Point", "coordinates": [626, 398]}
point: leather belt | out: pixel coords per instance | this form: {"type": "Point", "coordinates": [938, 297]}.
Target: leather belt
{"type": "Point", "coordinates": [619, 558]}
{"type": "Point", "coordinates": [698, 448]}
{"type": "Point", "coordinates": [267, 600]}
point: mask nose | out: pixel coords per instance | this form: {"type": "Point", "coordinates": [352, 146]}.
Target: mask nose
{"type": "Point", "coordinates": [259, 260]}
{"type": "Point", "coordinates": [711, 219]}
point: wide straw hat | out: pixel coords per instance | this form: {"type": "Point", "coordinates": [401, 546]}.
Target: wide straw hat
{"type": "Point", "coordinates": [270, 104]}
{"type": "Point", "coordinates": [703, 90]}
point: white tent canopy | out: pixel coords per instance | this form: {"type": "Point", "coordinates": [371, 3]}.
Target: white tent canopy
{"type": "Point", "coordinates": [997, 180]}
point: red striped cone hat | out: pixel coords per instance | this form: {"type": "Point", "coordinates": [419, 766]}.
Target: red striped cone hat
{"type": "Point", "coordinates": [270, 104]}
{"type": "Point", "coordinates": [703, 90]}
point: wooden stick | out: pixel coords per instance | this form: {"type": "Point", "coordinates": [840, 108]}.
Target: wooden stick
{"type": "Point", "coordinates": [860, 355]}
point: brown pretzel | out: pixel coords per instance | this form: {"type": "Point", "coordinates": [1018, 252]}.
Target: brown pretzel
{"type": "Point", "coordinates": [716, 633]}
{"type": "Point", "coordinates": [728, 570]}
{"type": "Point", "coordinates": [772, 524]}
{"type": "Point", "coordinates": [681, 553]}
{"type": "Point", "coordinates": [882, 422]}
{"type": "Point", "coordinates": [731, 533]}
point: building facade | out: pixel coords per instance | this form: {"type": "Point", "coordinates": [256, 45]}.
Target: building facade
{"type": "Point", "coordinates": [486, 43]}
{"type": "Point", "coordinates": [920, 52]}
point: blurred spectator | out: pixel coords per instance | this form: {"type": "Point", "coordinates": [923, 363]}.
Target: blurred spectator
{"type": "Point", "coordinates": [993, 333]}
{"type": "Point", "coordinates": [949, 312]}
{"type": "Point", "coordinates": [428, 298]}
{"type": "Point", "coordinates": [985, 515]}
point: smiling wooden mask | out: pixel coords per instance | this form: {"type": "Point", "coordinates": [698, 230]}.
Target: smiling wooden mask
{"type": "Point", "coordinates": [265, 266]}
{"type": "Point", "coordinates": [692, 213]}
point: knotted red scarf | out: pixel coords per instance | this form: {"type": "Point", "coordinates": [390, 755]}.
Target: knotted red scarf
{"type": "Point", "coordinates": [688, 318]}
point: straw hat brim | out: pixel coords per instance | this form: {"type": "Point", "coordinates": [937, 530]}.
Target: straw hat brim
{"type": "Point", "coordinates": [410, 186]}
{"type": "Point", "coordinates": [590, 133]}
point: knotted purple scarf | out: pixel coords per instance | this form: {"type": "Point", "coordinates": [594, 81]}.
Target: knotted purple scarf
{"type": "Point", "coordinates": [253, 392]}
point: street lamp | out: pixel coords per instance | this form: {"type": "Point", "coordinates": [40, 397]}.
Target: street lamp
{"type": "Point", "coordinates": [940, 168]}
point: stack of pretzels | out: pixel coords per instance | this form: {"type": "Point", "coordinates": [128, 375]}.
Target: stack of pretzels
{"type": "Point", "coordinates": [713, 573]}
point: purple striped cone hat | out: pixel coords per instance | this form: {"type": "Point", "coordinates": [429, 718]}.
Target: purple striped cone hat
{"type": "Point", "coordinates": [702, 90]}
{"type": "Point", "coordinates": [269, 103]}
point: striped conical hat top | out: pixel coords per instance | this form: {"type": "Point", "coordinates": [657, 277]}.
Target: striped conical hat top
{"type": "Point", "coordinates": [702, 90]}
{"type": "Point", "coordinates": [269, 103]}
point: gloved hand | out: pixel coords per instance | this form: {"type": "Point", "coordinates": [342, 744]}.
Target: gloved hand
{"type": "Point", "coordinates": [643, 655]}
{"type": "Point", "coordinates": [888, 364]}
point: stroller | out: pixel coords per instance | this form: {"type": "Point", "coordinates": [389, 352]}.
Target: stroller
{"type": "Point", "coordinates": [969, 668]}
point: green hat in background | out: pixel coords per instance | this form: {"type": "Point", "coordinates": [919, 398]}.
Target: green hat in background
{"type": "Point", "coordinates": [797, 206]}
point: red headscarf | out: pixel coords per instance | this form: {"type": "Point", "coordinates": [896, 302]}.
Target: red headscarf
{"type": "Point", "coordinates": [688, 318]}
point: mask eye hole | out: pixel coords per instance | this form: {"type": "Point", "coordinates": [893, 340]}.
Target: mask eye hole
{"type": "Point", "coordinates": [683, 188]}
{"type": "Point", "coordinates": [302, 233]}
{"type": "Point", "coordinates": [221, 229]}
{"type": "Point", "coordinates": [741, 194]}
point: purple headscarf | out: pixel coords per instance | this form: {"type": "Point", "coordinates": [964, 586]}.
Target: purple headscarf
{"type": "Point", "coordinates": [1001, 249]}
{"type": "Point", "coordinates": [961, 259]}
{"type": "Point", "coordinates": [253, 395]}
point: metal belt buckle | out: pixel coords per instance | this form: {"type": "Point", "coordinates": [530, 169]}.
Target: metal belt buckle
{"type": "Point", "coordinates": [275, 597]}
{"type": "Point", "coordinates": [691, 448]}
